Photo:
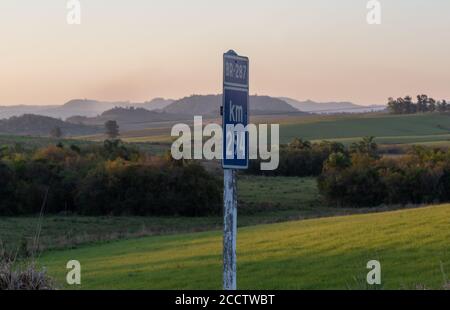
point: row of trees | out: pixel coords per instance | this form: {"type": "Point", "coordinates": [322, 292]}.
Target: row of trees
{"type": "Point", "coordinates": [422, 105]}
{"type": "Point", "coordinates": [363, 180]}
{"type": "Point", "coordinates": [111, 130]}
{"type": "Point", "coordinates": [113, 179]}
{"type": "Point", "coordinates": [302, 158]}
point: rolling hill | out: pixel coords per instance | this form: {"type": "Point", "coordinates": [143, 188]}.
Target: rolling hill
{"type": "Point", "coordinates": [79, 107]}
{"type": "Point", "coordinates": [209, 106]}
{"type": "Point", "coordinates": [386, 128]}
{"type": "Point", "coordinates": [156, 104]}
{"type": "Point", "coordinates": [38, 125]}
{"type": "Point", "coordinates": [330, 107]}
{"type": "Point", "coordinates": [329, 253]}
{"type": "Point", "coordinates": [129, 118]}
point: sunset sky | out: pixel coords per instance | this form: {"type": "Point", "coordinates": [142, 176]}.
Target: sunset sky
{"type": "Point", "coordinates": [139, 49]}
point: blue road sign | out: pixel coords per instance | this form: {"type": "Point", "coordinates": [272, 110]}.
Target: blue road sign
{"type": "Point", "coordinates": [235, 111]}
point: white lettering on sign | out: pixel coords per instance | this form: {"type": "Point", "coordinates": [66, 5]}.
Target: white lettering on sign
{"type": "Point", "coordinates": [235, 70]}
{"type": "Point", "coordinates": [236, 113]}
{"type": "Point", "coordinates": [237, 136]}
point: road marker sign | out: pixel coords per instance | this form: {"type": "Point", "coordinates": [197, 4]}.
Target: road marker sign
{"type": "Point", "coordinates": [235, 113]}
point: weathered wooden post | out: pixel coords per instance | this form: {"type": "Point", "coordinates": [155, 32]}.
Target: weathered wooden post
{"type": "Point", "coordinates": [230, 229]}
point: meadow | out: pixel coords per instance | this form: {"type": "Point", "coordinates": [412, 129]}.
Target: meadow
{"type": "Point", "coordinates": [329, 253]}
{"type": "Point", "coordinates": [386, 128]}
{"type": "Point", "coordinates": [262, 200]}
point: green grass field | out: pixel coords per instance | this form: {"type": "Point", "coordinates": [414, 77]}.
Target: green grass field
{"type": "Point", "coordinates": [330, 253]}
{"type": "Point", "coordinates": [262, 200]}
{"type": "Point", "coordinates": [387, 128]}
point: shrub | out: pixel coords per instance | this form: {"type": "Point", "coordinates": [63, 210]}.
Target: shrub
{"type": "Point", "coordinates": [299, 158]}
{"type": "Point", "coordinates": [362, 180]}
{"type": "Point", "coordinates": [26, 278]}
{"type": "Point", "coordinates": [112, 179]}
{"type": "Point", "coordinates": [140, 189]}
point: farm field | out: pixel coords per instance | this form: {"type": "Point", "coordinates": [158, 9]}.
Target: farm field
{"type": "Point", "coordinates": [388, 129]}
{"type": "Point", "coordinates": [329, 253]}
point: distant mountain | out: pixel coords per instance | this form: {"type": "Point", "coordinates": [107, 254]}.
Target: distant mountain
{"type": "Point", "coordinates": [38, 125]}
{"type": "Point", "coordinates": [330, 107]}
{"type": "Point", "coordinates": [157, 104]}
{"type": "Point", "coordinates": [79, 107]}
{"type": "Point", "coordinates": [18, 110]}
{"type": "Point", "coordinates": [83, 107]}
{"type": "Point", "coordinates": [209, 105]}
{"type": "Point", "coordinates": [128, 118]}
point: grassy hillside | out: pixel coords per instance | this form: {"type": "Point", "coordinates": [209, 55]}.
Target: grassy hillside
{"type": "Point", "coordinates": [387, 128]}
{"type": "Point", "coordinates": [411, 245]}
{"type": "Point", "coordinates": [261, 200]}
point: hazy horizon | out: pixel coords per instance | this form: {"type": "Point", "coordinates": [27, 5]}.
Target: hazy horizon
{"type": "Point", "coordinates": [205, 94]}
{"type": "Point", "coordinates": [321, 50]}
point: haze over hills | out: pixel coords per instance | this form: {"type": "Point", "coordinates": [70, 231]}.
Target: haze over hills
{"type": "Point", "coordinates": [79, 107]}
{"type": "Point", "coordinates": [157, 104]}
{"type": "Point", "coordinates": [83, 107]}
{"type": "Point", "coordinates": [206, 105]}
{"type": "Point", "coordinates": [129, 118]}
{"type": "Point", "coordinates": [85, 116]}
{"type": "Point", "coordinates": [330, 107]}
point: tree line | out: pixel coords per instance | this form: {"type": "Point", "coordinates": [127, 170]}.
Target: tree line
{"type": "Point", "coordinates": [300, 158]}
{"type": "Point", "coordinates": [363, 179]}
{"type": "Point", "coordinates": [423, 104]}
{"type": "Point", "coordinates": [358, 176]}
{"type": "Point", "coordinates": [108, 179]}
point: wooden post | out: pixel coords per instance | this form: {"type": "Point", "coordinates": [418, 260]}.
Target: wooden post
{"type": "Point", "coordinates": [230, 229]}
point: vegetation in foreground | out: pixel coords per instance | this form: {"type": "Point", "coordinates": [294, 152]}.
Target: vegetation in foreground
{"type": "Point", "coordinates": [108, 179]}
{"type": "Point", "coordinates": [330, 253]}
{"type": "Point", "coordinates": [22, 276]}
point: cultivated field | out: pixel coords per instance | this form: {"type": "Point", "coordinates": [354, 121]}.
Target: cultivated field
{"type": "Point", "coordinates": [330, 253]}
{"type": "Point", "coordinates": [388, 129]}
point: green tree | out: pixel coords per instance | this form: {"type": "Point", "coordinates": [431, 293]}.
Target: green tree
{"type": "Point", "coordinates": [56, 132]}
{"type": "Point", "coordinates": [299, 144]}
{"type": "Point", "coordinates": [366, 146]}
{"type": "Point", "coordinates": [112, 129]}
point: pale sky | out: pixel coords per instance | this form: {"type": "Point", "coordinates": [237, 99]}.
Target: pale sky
{"type": "Point", "coordinates": [135, 50]}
